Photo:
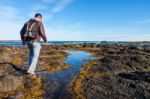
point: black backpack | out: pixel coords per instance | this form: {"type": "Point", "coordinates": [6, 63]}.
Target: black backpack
{"type": "Point", "coordinates": [28, 34]}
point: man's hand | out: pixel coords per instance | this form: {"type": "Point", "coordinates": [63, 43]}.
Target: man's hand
{"type": "Point", "coordinates": [46, 43]}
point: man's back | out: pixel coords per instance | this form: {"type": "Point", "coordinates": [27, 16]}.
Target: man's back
{"type": "Point", "coordinates": [38, 28]}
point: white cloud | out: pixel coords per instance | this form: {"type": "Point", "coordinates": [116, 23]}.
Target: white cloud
{"type": "Point", "coordinates": [66, 32]}
{"type": "Point", "coordinates": [120, 30]}
{"type": "Point", "coordinates": [143, 21]}
{"type": "Point", "coordinates": [10, 18]}
{"type": "Point", "coordinates": [58, 5]}
{"type": "Point", "coordinates": [123, 37]}
{"type": "Point", "coordinates": [39, 7]}
{"type": "Point", "coordinates": [7, 12]}
{"type": "Point", "coordinates": [122, 34]}
{"type": "Point", "coordinates": [9, 30]}
{"type": "Point", "coordinates": [9, 27]}
{"type": "Point", "coordinates": [61, 5]}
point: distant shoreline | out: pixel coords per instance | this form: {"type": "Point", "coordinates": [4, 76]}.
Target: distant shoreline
{"type": "Point", "coordinates": [10, 40]}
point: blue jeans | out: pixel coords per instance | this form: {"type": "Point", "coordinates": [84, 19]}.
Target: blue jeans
{"type": "Point", "coordinates": [33, 55]}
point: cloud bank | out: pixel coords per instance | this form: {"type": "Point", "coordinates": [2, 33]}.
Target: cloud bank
{"type": "Point", "coordinates": [14, 18]}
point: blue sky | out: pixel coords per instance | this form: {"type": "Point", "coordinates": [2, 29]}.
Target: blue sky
{"type": "Point", "coordinates": [92, 20]}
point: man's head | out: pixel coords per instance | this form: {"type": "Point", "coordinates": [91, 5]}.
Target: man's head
{"type": "Point", "coordinates": [38, 17]}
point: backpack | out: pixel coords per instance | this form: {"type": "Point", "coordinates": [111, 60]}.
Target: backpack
{"type": "Point", "coordinates": [29, 34]}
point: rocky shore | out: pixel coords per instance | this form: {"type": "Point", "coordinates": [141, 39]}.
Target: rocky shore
{"type": "Point", "coordinates": [119, 72]}
{"type": "Point", "coordinates": [15, 83]}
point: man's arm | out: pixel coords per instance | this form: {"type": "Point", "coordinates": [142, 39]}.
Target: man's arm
{"type": "Point", "coordinates": [42, 32]}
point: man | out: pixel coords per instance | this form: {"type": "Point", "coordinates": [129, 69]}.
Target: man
{"type": "Point", "coordinates": [31, 34]}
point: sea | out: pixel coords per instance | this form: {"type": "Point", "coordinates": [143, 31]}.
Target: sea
{"type": "Point", "coordinates": [137, 44]}
{"type": "Point", "coordinates": [19, 43]}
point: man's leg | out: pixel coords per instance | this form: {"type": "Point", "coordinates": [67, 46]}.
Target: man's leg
{"type": "Point", "coordinates": [30, 46]}
{"type": "Point", "coordinates": [36, 52]}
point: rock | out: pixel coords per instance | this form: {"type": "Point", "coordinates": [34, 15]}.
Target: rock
{"type": "Point", "coordinates": [121, 72]}
{"type": "Point", "coordinates": [10, 79]}
{"type": "Point", "coordinates": [116, 88]}
{"type": "Point", "coordinates": [124, 74]}
{"type": "Point", "coordinates": [90, 45]}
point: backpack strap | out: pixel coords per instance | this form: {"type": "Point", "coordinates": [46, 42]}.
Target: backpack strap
{"type": "Point", "coordinates": [28, 26]}
{"type": "Point", "coordinates": [28, 31]}
{"type": "Point", "coordinates": [32, 26]}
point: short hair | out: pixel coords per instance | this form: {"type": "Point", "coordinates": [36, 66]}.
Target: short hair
{"type": "Point", "coordinates": [38, 15]}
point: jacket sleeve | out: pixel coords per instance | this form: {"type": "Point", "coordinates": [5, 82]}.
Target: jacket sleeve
{"type": "Point", "coordinates": [42, 32]}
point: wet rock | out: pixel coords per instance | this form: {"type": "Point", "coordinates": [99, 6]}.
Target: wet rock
{"type": "Point", "coordinates": [18, 95]}
{"type": "Point", "coordinates": [51, 87]}
{"type": "Point", "coordinates": [56, 63]}
{"type": "Point", "coordinates": [123, 71]}
{"type": "Point", "coordinates": [123, 74]}
{"type": "Point", "coordinates": [90, 45]}
{"type": "Point", "coordinates": [116, 87]}
{"type": "Point", "coordinates": [147, 49]}
{"type": "Point", "coordinates": [10, 79]}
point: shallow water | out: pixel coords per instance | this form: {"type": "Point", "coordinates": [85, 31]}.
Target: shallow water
{"type": "Point", "coordinates": [76, 59]}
